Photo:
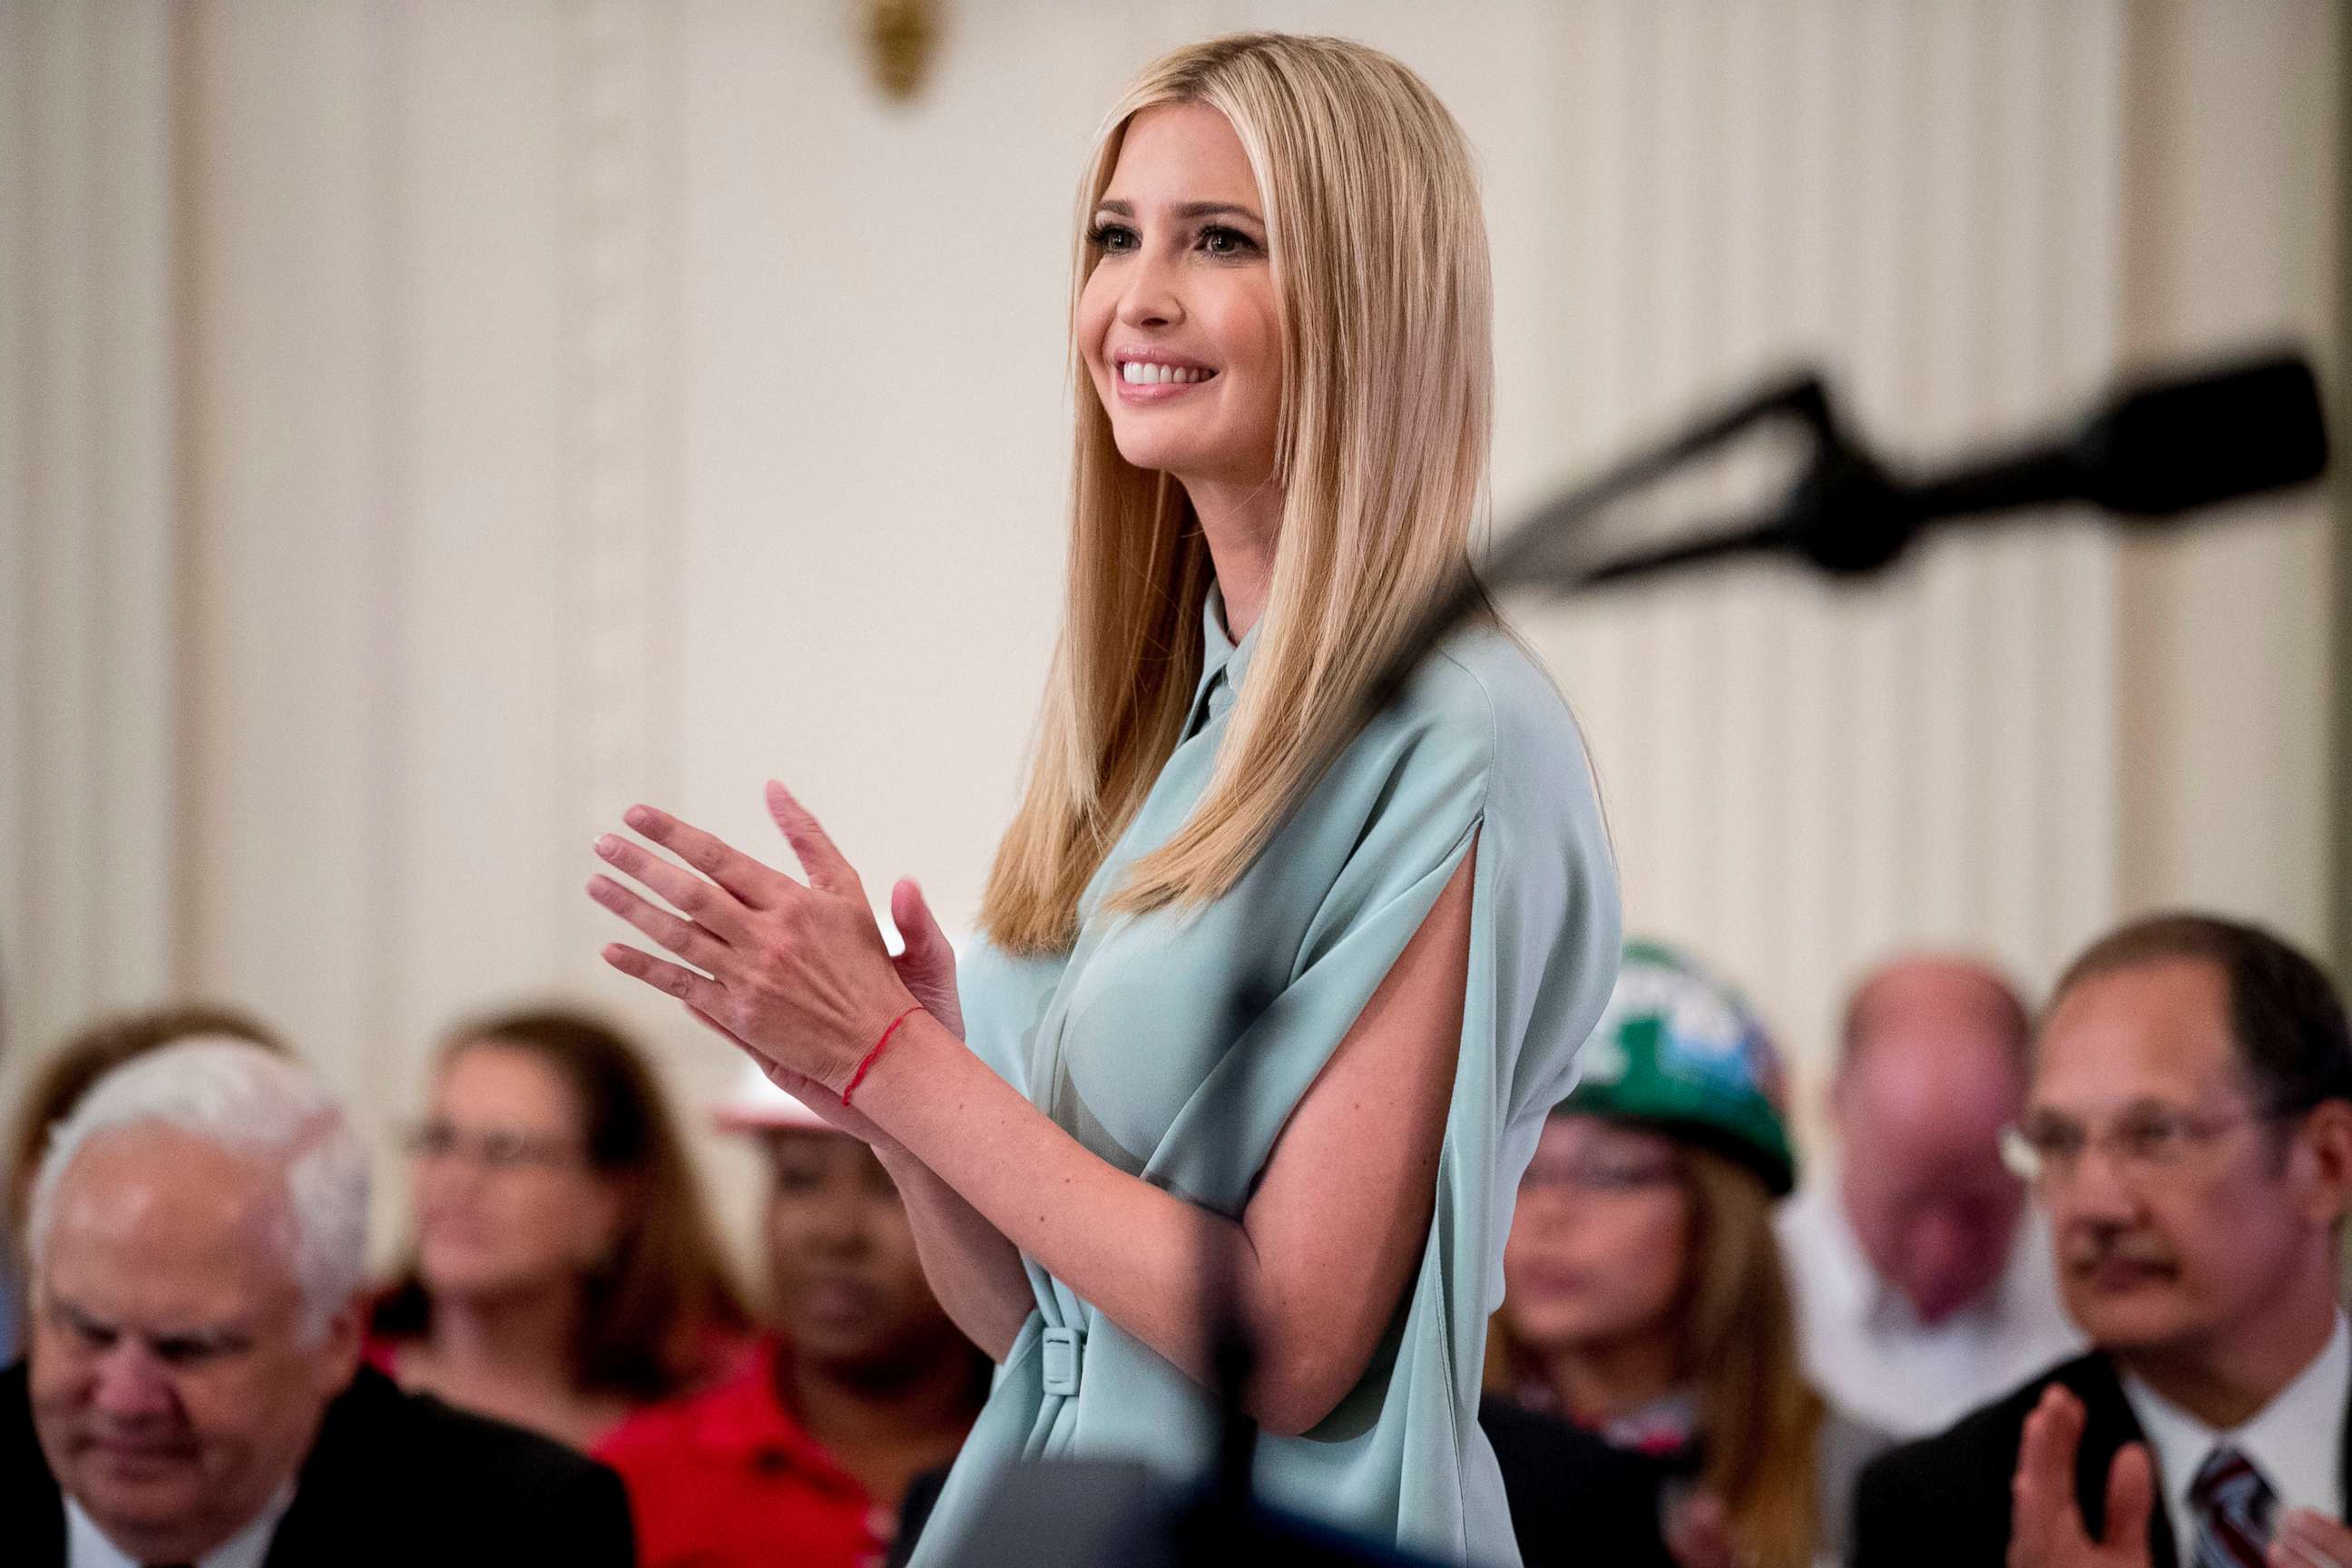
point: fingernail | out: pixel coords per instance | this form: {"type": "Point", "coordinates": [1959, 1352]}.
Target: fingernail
{"type": "Point", "coordinates": [638, 816]}
{"type": "Point", "coordinates": [607, 844]}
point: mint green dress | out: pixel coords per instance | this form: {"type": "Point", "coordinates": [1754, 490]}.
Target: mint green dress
{"type": "Point", "coordinates": [1131, 1042]}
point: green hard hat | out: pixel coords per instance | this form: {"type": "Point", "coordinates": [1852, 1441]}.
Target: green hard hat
{"type": "Point", "coordinates": [1680, 1051]}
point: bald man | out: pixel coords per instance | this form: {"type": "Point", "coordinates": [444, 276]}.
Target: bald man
{"type": "Point", "coordinates": [1923, 1283]}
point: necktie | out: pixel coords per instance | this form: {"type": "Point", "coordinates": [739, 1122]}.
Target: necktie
{"type": "Point", "coordinates": [2232, 1507]}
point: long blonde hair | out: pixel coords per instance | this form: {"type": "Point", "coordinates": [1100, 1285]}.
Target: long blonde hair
{"type": "Point", "coordinates": [1379, 254]}
{"type": "Point", "coordinates": [1759, 1419]}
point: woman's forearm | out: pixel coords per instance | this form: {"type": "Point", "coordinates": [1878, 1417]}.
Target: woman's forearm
{"type": "Point", "coordinates": [1338, 1219]}
{"type": "Point", "coordinates": [1135, 1252]}
{"type": "Point", "coordinates": [1334, 1226]}
{"type": "Point", "coordinates": [975, 1273]}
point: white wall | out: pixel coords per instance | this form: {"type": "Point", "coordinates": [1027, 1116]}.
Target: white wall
{"type": "Point", "coordinates": [426, 427]}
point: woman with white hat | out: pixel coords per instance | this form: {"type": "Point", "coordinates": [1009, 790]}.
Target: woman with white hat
{"type": "Point", "coordinates": [861, 1384]}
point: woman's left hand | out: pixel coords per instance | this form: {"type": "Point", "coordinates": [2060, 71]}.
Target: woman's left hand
{"type": "Point", "coordinates": [796, 972]}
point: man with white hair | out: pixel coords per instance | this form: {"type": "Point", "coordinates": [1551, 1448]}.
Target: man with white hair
{"type": "Point", "coordinates": [193, 1393]}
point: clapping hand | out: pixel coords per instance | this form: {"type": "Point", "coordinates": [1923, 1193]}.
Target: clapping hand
{"type": "Point", "coordinates": [2046, 1527]}
{"type": "Point", "coordinates": [794, 973]}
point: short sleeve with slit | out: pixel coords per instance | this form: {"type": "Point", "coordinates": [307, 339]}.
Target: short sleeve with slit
{"type": "Point", "coordinates": [1175, 1047]}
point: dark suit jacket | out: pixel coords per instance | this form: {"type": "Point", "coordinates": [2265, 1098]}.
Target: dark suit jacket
{"type": "Point", "coordinates": [394, 1477]}
{"type": "Point", "coordinates": [1575, 1500]}
{"type": "Point", "coordinates": [1944, 1501]}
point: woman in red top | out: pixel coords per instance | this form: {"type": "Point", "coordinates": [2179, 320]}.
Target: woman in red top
{"type": "Point", "coordinates": [805, 1454]}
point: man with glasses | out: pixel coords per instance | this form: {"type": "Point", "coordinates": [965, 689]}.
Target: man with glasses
{"type": "Point", "coordinates": [2189, 1132]}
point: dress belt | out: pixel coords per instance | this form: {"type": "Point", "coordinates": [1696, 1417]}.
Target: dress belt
{"type": "Point", "coordinates": [1064, 1360]}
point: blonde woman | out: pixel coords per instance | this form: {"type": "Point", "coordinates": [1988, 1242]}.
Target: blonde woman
{"type": "Point", "coordinates": [1228, 998]}
{"type": "Point", "coordinates": [1645, 1298]}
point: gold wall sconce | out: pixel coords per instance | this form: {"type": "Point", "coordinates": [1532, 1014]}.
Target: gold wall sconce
{"type": "Point", "coordinates": [901, 37]}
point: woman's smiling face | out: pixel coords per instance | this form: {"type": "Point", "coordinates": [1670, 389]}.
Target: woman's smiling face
{"type": "Point", "coordinates": [1179, 321]}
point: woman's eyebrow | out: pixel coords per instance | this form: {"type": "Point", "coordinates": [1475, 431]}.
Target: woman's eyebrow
{"type": "Point", "coordinates": [1188, 211]}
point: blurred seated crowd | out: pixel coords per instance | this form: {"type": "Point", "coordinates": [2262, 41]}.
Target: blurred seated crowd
{"type": "Point", "coordinates": [2070, 1292]}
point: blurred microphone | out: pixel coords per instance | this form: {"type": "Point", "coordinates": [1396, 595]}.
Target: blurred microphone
{"type": "Point", "coordinates": [2154, 451]}
{"type": "Point", "coordinates": [2157, 450]}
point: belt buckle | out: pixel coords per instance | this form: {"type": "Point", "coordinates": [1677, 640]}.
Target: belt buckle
{"type": "Point", "coordinates": [1065, 1355]}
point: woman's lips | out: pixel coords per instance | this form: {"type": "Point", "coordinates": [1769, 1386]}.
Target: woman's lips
{"type": "Point", "coordinates": [1149, 393]}
{"type": "Point", "coordinates": [1552, 1279]}
{"type": "Point", "coordinates": [1146, 376]}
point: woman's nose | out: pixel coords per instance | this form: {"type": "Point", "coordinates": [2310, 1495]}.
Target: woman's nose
{"type": "Point", "coordinates": [1149, 297]}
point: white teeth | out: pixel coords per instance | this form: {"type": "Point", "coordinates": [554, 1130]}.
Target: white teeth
{"type": "Point", "coordinates": [1142, 372]}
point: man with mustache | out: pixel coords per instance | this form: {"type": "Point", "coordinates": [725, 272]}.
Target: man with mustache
{"type": "Point", "coordinates": [807, 1454]}
{"type": "Point", "coordinates": [2189, 1131]}
{"type": "Point", "coordinates": [192, 1394]}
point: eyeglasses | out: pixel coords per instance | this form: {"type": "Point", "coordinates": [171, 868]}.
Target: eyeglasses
{"type": "Point", "coordinates": [496, 1148]}
{"type": "Point", "coordinates": [1598, 1177]}
{"type": "Point", "coordinates": [2047, 1150]}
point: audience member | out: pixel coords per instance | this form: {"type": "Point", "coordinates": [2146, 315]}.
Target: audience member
{"type": "Point", "coordinates": [63, 1078]}
{"type": "Point", "coordinates": [2189, 1127]}
{"type": "Point", "coordinates": [1644, 1297]}
{"type": "Point", "coordinates": [193, 1393]}
{"type": "Point", "coordinates": [1575, 1499]}
{"type": "Point", "coordinates": [806, 1452]}
{"type": "Point", "coordinates": [565, 1271]}
{"type": "Point", "coordinates": [1924, 1287]}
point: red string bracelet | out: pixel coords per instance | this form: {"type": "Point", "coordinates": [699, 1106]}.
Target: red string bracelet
{"type": "Point", "coordinates": [859, 1076]}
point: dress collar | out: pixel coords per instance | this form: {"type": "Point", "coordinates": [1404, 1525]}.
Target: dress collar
{"type": "Point", "coordinates": [1223, 663]}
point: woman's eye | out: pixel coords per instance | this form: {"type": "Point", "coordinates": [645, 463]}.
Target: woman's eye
{"type": "Point", "coordinates": [1111, 237]}
{"type": "Point", "coordinates": [1219, 240]}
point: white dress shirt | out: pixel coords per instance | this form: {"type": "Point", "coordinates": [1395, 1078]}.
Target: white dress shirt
{"type": "Point", "coordinates": [1866, 1348]}
{"type": "Point", "coordinates": [88, 1547]}
{"type": "Point", "coordinates": [2296, 1441]}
